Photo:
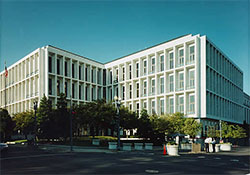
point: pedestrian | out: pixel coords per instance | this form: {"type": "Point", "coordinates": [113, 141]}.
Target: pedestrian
{"type": "Point", "coordinates": [207, 145]}
{"type": "Point", "coordinates": [213, 144]}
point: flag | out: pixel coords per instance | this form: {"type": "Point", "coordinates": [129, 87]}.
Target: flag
{"type": "Point", "coordinates": [6, 72]}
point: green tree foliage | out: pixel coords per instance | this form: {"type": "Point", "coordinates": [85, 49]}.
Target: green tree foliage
{"type": "Point", "coordinates": [128, 119]}
{"type": "Point", "coordinates": [24, 122]}
{"type": "Point", "coordinates": [62, 118]}
{"type": "Point", "coordinates": [6, 125]}
{"type": "Point", "coordinates": [191, 127]}
{"type": "Point", "coordinates": [176, 123]}
{"type": "Point", "coordinates": [144, 125]}
{"type": "Point", "coordinates": [45, 120]}
{"type": "Point", "coordinates": [231, 131]}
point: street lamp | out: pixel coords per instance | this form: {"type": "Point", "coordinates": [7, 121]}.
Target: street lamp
{"type": "Point", "coordinates": [117, 105]}
{"type": "Point", "coordinates": [35, 109]}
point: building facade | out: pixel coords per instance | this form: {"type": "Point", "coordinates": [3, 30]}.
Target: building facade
{"type": "Point", "coordinates": [188, 74]}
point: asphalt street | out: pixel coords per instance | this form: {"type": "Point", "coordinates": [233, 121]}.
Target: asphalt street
{"type": "Point", "coordinates": [23, 160]}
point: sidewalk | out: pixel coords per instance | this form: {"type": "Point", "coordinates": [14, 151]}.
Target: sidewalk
{"type": "Point", "coordinates": [156, 150]}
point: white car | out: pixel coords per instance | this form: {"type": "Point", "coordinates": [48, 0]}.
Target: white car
{"type": "Point", "coordinates": [3, 146]}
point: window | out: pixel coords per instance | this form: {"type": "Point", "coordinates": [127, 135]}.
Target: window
{"type": "Point", "coordinates": [191, 103]}
{"type": "Point", "coordinates": [137, 69]}
{"type": "Point", "coordinates": [181, 104]}
{"type": "Point", "coordinates": [181, 81]}
{"type": "Point", "coordinates": [137, 90]}
{"type": "Point", "coordinates": [153, 107]}
{"type": "Point", "coordinates": [191, 54]}
{"type": "Point", "coordinates": [137, 108]}
{"type": "Point", "coordinates": [86, 93]}
{"type": "Point", "coordinates": [80, 92]}
{"type": "Point", "coordinates": [144, 88]}
{"type": "Point", "coordinates": [130, 106]}
{"type": "Point", "coordinates": [191, 79]}
{"type": "Point", "coordinates": [80, 73]}
{"type": "Point", "coordinates": [130, 71]}
{"type": "Point", "coordinates": [162, 63]}
{"type": "Point", "coordinates": [50, 64]}
{"type": "Point", "coordinates": [181, 57]}
{"type": "Point", "coordinates": [50, 86]}
{"type": "Point", "coordinates": [153, 86]}
{"type": "Point", "coordinates": [73, 90]}
{"type": "Point", "coordinates": [171, 60]}
{"type": "Point", "coordinates": [66, 88]}
{"type": "Point", "coordinates": [153, 65]}
{"type": "Point", "coordinates": [92, 75]}
{"type": "Point", "coordinates": [58, 66]}
{"type": "Point", "coordinates": [117, 75]}
{"type": "Point", "coordinates": [145, 67]}
{"type": "Point", "coordinates": [73, 70]}
{"type": "Point", "coordinates": [162, 106]}
{"type": "Point", "coordinates": [145, 104]}
{"type": "Point", "coordinates": [171, 105]}
{"type": "Point", "coordinates": [86, 73]}
{"type": "Point", "coordinates": [123, 73]}
{"type": "Point", "coordinates": [117, 92]}
{"type": "Point", "coordinates": [130, 91]}
{"type": "Point", "coordinates": [123, 92]}
{"type": "Point", "coordinates": [161, 84]}
{"type": "Point", "coordinates": [58, 87]}
{"type": "Point", "coordinates": [110, 77]}
{"type": "Point", "coordinates": [171, 83]}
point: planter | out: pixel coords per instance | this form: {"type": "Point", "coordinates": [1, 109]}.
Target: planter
{"type": "Point", "coordinates": [172, 150]}
{"type": "Point", "coordinates": [148, 146]}
{"type": "Point", "coordinates": [126, 146]}
{"type": "Point", "coordinates": [113, 145]}
{"type": "Point", "coordinates": [217, 148]}
{"type": "Point", "coordinates": [196, 147]}
{"type": "Point", "coordinates": [186, 146]}
{"type": "Point", "coordinates": [95, 141]}
{"type": "Point", "coordinates": [138, 146]}
{"type": "Point", "coordinates": [226, 147]}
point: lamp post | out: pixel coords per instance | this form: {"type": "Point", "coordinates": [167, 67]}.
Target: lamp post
{"type": "Point", "coordinates": [117, 105]}
{"type": "Point", "coordinates": [35, 109]}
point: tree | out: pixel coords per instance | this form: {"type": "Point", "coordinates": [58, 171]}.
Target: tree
{"type": "Point", "coordinates": [191, 127]}
{"type": "Point", "coordinates": [24, 122]}
{"type": "Point", "coordinates": [45, 119]}
{"type": "Point", "coordinates": [144, 126]}
{"type": "Point", "coordinates": [62, 118]}
{"type": "Point", "coordinates": [231, 131]}
{"type": "Point", "coordinates": [6, 125]}
{"type": "Point", "coordinates": [176, 123]}
{"type": "Point", "coordinates": [128, 119]}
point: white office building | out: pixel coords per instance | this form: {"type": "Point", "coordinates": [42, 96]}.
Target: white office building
{"type": "Point", "coordinates": [188, 74]}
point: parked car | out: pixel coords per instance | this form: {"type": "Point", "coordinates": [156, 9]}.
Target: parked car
{"type": "Point", "coordinates": [3, 147]}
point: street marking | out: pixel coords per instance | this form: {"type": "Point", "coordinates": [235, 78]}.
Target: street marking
{"type": "Point", "coordinates": [152, 171]}
{"type": "Point", "coordinates": [217, 158]}
{"type": "Point", "coordinates": [234, 160]}
{"type": "Point", "coordinates": [41, 155]}
{"type": "Point", "coordinates": [201, 157]}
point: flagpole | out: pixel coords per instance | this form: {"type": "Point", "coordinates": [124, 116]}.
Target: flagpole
{"type": "Point", "coordinates": [5, 101]}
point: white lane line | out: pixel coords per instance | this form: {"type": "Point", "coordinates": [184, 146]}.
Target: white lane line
{"type": "Point", "coordinates": [234, 160]}
{"type": "Point", "coordinates": [152, 171]}
{"type": "Point", "coordinates": [41, 155]}
{"type": "Point", "coordinates": [217, 158]}
{"type": "Point", "coordinates": [201, 157]}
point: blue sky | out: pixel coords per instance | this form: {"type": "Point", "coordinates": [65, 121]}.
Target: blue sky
{"type": "Point", "coordinates": [105, 30]}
